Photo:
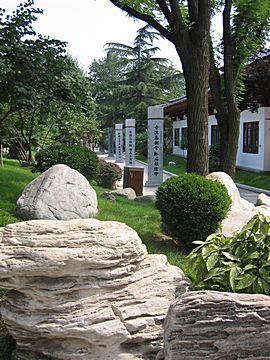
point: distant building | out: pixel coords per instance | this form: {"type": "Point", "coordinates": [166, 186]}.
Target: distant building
{"type": "Point", "coordinates": [254, 138]}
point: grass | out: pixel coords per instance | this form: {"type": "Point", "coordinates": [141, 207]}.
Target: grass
{"type": "Point", "coordinates": [259, 180]}
{"type": "Point", "coordinates": [142, 217]}
{"type": "Point", "coordinates": [13, 179]}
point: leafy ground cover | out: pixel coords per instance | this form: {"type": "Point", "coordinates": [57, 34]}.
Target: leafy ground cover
{"type": "Point", "coordinates": [259, 180]}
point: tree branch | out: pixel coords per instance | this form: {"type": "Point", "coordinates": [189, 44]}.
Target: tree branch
{"type": "Point", "coordinates": [166, 11]}
{"type": "Point", "coordinates": [193, 10]}
{"type": "Point", "coordinates": [146, 18]}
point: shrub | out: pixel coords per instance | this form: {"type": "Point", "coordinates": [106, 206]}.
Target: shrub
{"type": "Point", "coordinates": [237, 264]}
{"type": "Point", "coordinates": [191, 207]}
{"type": "Point", "coordinates": [109, 173]}
{"type": "Point", "coordinates": [75, 156]}
{"type": "Point", "coordinates": [214, 158]}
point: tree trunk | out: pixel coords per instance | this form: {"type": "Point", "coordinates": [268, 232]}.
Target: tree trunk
{"type": "Point", "coordinates": [229, 135]}
{"type": "Point", "coordinates": [196, 70]}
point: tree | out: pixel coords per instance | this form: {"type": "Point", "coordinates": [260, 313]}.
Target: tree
{"type": "Point", "coordinates": [187, 25]}
{"type": "Point", "coordinates": [131, 78]}
{"type": "Point", "coordinates": [245, 27]}
{"type": "Point", "coordinates": [39, 85]}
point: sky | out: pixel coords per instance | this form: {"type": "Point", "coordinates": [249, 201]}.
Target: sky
{"type": "Point", "coordinates": [87, 25]}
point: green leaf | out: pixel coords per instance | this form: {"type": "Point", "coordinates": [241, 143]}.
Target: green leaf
{"type": "Point", "coordinates": [245, 281]}
{"type": "Point", "coordinates": [249, 267]}
{"type": "Point", "coordinates": [233, 275]}
{"type": "Point", "coordinates": [214, 272]}
{"type": "Point", "coordinates": [212, 260]}
{"type": "Point", "coordinates": [266, 287]}
{"type": "Point", "coordinates": [230, 256]}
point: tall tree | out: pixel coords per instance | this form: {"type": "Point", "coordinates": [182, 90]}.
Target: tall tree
{"type": "Point", "coordinates": [146, 79]}
{"type": "Point", "coordinates": [245, 28]}
{"type": "Point", "coordinates": [187, 25]}
{"type": "Point", "coordinates": [131, 78]}
{"type": "Point", "coordinates": [39, 84]}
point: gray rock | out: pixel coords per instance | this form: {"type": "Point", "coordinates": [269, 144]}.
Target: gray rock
{"type": "Point", "coordinates": [129, 193]}
{"type": "Point", "coordinates": [60, 193]}
{"type": "Point", "coordinates": [84, 290]}
{"type": "Point", "coordinates": [108, 196]}
{"type": "Point", "coordinates": [218, 326]}
{"type": "Point", "coordinates": [146, 198]}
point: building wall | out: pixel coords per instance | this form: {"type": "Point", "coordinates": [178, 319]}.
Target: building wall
{"type": "Point", "coordinates": [260, 161]}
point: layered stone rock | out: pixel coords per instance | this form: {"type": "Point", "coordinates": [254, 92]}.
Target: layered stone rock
{"type": "Point", "coordinates": [241, 210]}
{"type": "Point", "coordinates": [60, 193]}
{"type": "Point", "coordinates": [218, 326]}
{"type": "Point", "coordinates": [84, 290]}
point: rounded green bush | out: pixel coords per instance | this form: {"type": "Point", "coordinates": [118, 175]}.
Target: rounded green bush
{"type": "Point", "coordinates": [191, 207]}
{"type": "Point", "coordinates": [75, 156]}
{"type": "Point", "coordinates": [109, 173]}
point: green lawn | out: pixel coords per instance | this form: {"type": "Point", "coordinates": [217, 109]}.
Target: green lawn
{"type": "Point", "coordinates": [255, 179]}
{"type": "Point", "coordinates": [142, 217]}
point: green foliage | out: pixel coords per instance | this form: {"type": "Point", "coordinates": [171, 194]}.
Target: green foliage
{"type": "Point", "coordinates": [240, 263]}
{"type": "Point", "coordinates": [109, 173]}
{"type": "Point", "coordinates": [131, 78]}
{"type": "Point", "coordinates": [141, 143]}
{"type": "Point", "coordinates": [214, 158]}
{"type": "Point", "coordinates": [192, 207]}
{"type": "Point", "coordinates": [75, 156]}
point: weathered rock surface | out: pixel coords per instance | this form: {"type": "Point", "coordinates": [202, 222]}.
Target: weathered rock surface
{"type": "Point", "coordinates": [212, 325]}
{"type": "Point", "coordinates": [60, 193]}
{"type": "Point", "coordinates": [241, 210]}
{"type": "Point", "coordinates": [84, 290]}
{"type": "Point", "coordinates": [263, 200]}
{"type": "Point", "coordinates": [146, 198]}
{"type": "Point", "coordinates": [129, 193]}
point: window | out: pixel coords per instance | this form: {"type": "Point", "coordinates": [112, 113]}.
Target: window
{"type": "Point", "coordinates": [176, 137]}
{"type": "Point", "coordinates": [251, 137]}
{"type": "Point", "coordinates": [215, 135]}
{"type": "Point", "coordinates": [184, 139]}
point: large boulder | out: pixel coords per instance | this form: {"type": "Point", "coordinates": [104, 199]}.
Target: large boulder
{"type": "Point", "coordinates": [241, 210]}
{"type": "Point", "coordinates": [84, 290]}
{"type": "Point", "coordinates": [212, 325]}
{"type": "Point", "coordinates": [60, 193]}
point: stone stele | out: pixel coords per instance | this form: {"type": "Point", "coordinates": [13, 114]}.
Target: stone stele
{"type": "Point", "coordinates": [84, 290]}
{"type": "Point", "coordinates": [213, 325]}
{"type": "Point", "coordinates": [60, 193]}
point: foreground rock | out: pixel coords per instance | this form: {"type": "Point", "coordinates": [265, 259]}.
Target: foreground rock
{"type": "Point", "coordinates": [60, 193]}
{"type": "Point", "coordinates": [241, 210]}
{"type": "Point", "coordinates": [84, 290]}
{"type": "Point", "coordinates": [215, 326]}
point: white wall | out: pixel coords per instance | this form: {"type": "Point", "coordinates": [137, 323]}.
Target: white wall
{"type": "Point", "coordinates": [260, 161]}
{"type": "Point", "coordinates": [179, 124]}
{"type": "Point", "coordinates": [267, 140]}
{"type": "Point", "coordinates": [247, 160]}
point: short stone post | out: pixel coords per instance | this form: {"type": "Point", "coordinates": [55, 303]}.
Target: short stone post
{"type": "Point", "coordinates": [130, 142]}
{"type": "Point", "coordinates": [155, 145]}
{"type": "Point", "coordinates": [119, 143]}
{"type": "Point", "coordinates": [110, 143]}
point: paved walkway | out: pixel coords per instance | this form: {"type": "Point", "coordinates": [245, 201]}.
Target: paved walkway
{"type": "Point", "coordinates": [248, 193]}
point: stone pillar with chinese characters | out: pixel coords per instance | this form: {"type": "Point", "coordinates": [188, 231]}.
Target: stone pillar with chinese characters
{"type": "Point", "coordinates": [119, 143]}
{"type": "Point", "coordinates": [110, 143]}
{"type": "Point", "coordinates": [130, 142]}
{"type": "Point", "coordinates": [155, 145]}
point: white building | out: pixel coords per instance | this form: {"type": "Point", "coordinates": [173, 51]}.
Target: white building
{"type": "Point", "coordinates": [254, 138]}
